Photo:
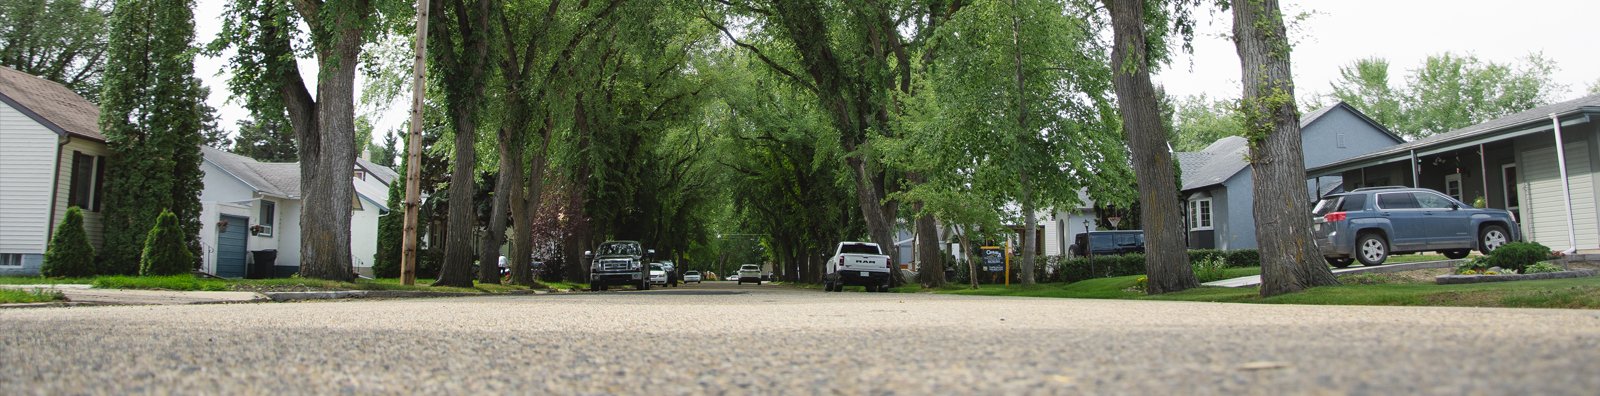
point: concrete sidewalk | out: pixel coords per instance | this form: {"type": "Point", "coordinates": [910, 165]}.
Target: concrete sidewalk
{"type": "Point", "coordinates": [1256, 279]}
{"type": "Point", "coordinates": [86, 294]}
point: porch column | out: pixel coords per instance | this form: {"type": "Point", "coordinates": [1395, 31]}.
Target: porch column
{"type": "Point", "coordinates": [1483, 173]}
{"type": "Point", "coordinates": [1566, 189]}
{"type": "Point", "coordinates": [1416, 181]}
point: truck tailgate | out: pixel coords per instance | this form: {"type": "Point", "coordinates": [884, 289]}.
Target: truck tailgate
{"type": "Point", "coordinates": [864, 262]}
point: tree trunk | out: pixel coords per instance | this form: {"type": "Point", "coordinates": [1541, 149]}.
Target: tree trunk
{"type": "Point", "coordinates": [1030, 222]}
{"type": "Point", "coordinates": [1290, 261]}
{"type": "Point", "coordinates": [1166, 262]}
{"type": "Point", "coordinates": [464, 85]}
{"type": "Point", "coordinates": [324, 129]}
{"type": "Point", "coordinates": [966, 252]}
{"type": "Point", "coordinates": [494, 236]}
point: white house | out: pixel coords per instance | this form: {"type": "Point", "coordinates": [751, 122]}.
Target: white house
{"type": "Point", "coordinates": [251, 206]}
{"type": "Point", "coordinates": [52, 157]}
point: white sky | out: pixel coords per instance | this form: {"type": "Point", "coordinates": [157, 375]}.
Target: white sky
{"type": "Point", "coordinates": [1341, 31]}
{"type": "Point", "coordinates": [1405, 32]}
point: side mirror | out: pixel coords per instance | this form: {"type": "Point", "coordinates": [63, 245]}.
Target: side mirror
{"type": "Point", "coordinates": [1454, 206]}
{"type": "Point", "coordinates": [587, 253]}
{"type": "Point", "coordinates": [650, 252]}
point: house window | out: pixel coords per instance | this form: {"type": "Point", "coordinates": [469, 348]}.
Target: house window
{"type": "Point", "coordinates": [10, 260]}
{"type": "Point", "coordinates": [361, 175]}
{"type": "Point", "coordinates": [83, 190]}
{"type": "Point", "coordinates": [268, 210]}
{"type": "Point", "coordinates": [1200, 214]}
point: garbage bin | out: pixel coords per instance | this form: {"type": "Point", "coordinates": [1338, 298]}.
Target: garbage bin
{"type": "Point", "coordinates": [262, 263]}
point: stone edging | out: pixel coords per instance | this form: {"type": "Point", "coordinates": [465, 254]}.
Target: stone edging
{"type": "Point", "coordinates": [1464, 279]}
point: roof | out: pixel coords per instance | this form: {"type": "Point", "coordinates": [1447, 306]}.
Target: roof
{"type": "Point", "coordinates": [50, 104]}
{"type": "Point", "coordinates": [1227, 156]}
{"type": "Point", "coordinates": [280, 179]}
{"type": "Point", "coordinates": [1215, 164]}
{"type": "Point", "coordinates": [1537, 115]}
{"type": "Point", "coordinates": [383, 173]}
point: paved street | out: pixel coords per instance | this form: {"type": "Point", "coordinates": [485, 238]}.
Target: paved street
{"type": "Point", "coordinates": [726, 339]}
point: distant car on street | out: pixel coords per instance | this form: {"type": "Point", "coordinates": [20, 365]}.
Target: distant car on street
{"type": "Point", "coordinates": [749, 273]}
{"type": "Point", "coordinates": [691, 276]}
{"type": "Point", "coordinates": [732, 278]}
{"type": "Point", "coordinates": [658, 274]}
{"type": "Point", "coordinates": [1370, 224]}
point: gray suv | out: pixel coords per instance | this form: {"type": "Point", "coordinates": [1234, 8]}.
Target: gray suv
{"type": "Point", "coordinates": [1369, 224]}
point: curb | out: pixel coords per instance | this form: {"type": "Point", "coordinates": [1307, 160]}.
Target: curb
{"type": "Point", "coordinates": [52, 304]}
{"type": "Point", "coordinates": [352, 294]}
{"type": "Point", "coordinates": [1254, 280]}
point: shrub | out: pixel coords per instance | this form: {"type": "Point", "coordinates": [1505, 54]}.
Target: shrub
{"type": "Point", "coordinates": [1198, 255]}
{"type": "Point", "coordinates": [1475, 265]}
{"type": "Point", "coordinates": [1542, 267]}
{"type": "Point", "coordinates": [1211, 269]}
{"type": "Point", "coordinates": [1244, 258]}
{"type": "Point", "coordinates": [1079, 269]}
{"type": "Point", "coordinates": [70, 254]}
{"type": "Point", "coordinates": [1518, 255]}
{"type": "Point", "coordinates": [165, 251]}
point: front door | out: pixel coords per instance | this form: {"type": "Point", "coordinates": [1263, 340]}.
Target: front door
{"type": "Point", "coordinates": [231, 247]}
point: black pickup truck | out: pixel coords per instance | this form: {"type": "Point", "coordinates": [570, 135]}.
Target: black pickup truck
{"type": "Point", "coordinates": [619, 263]}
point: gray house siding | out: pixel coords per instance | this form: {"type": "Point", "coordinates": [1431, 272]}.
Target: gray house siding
{"type": "Point", "coordinates": [1330, 135]}
{"type": "Point", "coordinates": [1340, 134]}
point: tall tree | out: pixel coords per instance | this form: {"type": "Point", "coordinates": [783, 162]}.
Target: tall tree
{"type": "Point", "coordinates": [1290, 261]}
{"type": "Point", "coordinates": [1135, 52]}
{"type": "Point", "coordinates": [1594, 87]}
{"type": "Point", "coordinates": [460, 51]}
{"type": "Point", "coordinates": [266, 139]}
{"type": "Point", "coordinates": [151, 116]}
{"type": "Point", "coordinates": [266, 37]}
{"type": "Point", "coordinates": [1447, 92]}
{"type": "Point", "coordinates": [59, 40]}
{"type": "Point", "coordinates": [1198, 121]}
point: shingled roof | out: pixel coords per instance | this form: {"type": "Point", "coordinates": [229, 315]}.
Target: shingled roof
{"type": "Point", "coordinates": [1227, 156]}
{"type": "Point", "coordinates": [50, 104]}
{"type": "Point", "coordinates": [280, 179]}
{"type": "Point", "coordinates": [1538, 116]}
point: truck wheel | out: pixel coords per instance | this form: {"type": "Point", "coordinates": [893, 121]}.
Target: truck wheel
{"type": "Point", "coordinates": [594, 287]}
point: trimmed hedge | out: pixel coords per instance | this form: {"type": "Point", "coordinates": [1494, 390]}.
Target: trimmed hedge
{"type": "Point", "coordinates": [70, 254]}
{"type": "Point", "coordinates": [165, 251]}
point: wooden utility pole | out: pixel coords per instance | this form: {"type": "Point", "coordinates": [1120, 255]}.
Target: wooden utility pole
{"type": "Point", "coordinates": [408, 256]}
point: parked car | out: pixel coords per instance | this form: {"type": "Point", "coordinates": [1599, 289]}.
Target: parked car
{"type": "Point", "coordinates": [618, 263]}
{"type": "Point", "coordinates": [658, 274]}
{"type": "Point", "coordinates": [1370, 224]}
{"type": "Point", "coordinates": [732, 278]}
{"type": "Point", "coordinates": [857, 264]}
{"type": "Point", "coordinates": [672, 273]}
{"type": "Point", "coordinates": [1107, 243]}
{"type": "Point", "coordinates": [749, 273]}
{"type": "Point", "coordinates": [691, 276]}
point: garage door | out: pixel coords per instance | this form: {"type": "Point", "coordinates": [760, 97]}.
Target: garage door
{"type": "Point", "coordinates": [231, 247]}
{"type": "Point", "coordinates": [1544, 207]}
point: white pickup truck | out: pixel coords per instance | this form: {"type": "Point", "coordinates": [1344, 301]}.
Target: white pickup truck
{"type": "Point", "coordinates": [857, 264]}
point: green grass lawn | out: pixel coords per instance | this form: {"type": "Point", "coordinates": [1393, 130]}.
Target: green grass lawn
{"type": "Point", "coordinates": [9, 296]}
{"type": "Point", "coordinates": [1555, 293]}
{"type": "Point", "coordinates": [1412, 258]}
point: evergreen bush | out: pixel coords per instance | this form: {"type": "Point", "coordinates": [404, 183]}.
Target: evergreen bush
{"type": "Point", "coordinates": [165, 251]}
{"type": "Point", "coordinates": [1244, 258]}
{"type": "Point", "coordinates": [70, 254]}
{"type": "Point", "coordinates": [1518, 255]}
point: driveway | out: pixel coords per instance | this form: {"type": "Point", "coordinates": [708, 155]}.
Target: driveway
{"type": "Point", "coordinates": [721, 338]}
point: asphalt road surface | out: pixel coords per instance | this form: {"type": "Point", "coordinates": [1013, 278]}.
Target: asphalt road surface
{"type": "Point", "coordinates": [719, 338]}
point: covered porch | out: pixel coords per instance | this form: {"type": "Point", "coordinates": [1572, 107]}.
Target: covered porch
{"type": "Point", "coordinates": [1542, 165]}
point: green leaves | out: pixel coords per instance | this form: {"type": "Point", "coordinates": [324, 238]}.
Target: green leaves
{"type": "Point", "coordinates": [1447, 92]}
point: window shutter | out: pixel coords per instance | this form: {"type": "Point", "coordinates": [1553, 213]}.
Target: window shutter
{"type": "Point", "coordinates": [99, 181]}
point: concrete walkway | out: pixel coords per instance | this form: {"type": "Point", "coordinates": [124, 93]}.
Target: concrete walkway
{"type": "Point", "coordinates": [1256, 279]}
{"type": "Point", "coordinates": [86, 294]}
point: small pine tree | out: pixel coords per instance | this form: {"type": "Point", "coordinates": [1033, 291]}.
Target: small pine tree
{"type": "Point", "coordinates": [391, 230]}
{"type": "Point", "coordinates": [165, 251]}
{"type": "Point", "coordinates": [70, 254]}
